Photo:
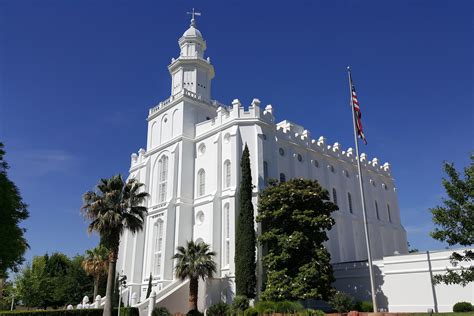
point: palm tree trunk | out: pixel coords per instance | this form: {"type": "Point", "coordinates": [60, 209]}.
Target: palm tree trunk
{"type": "Point", "coordinates": [96, 287]}
{"type": "Point", "coordinates": [193, 293]}
{"type": "Point", "coordinates": [110, 284]}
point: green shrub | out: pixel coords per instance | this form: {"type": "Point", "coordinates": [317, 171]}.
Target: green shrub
{"type": "Point", "coordinates": [124, 311]}
{"type": "Point", "coordinates": [312, 312]}
{"type": "Point", "coordinates": [364, 306]}
{"type": "Point", "coordinates": [342, 302]}
{"type": "Point", "coordinates": [239, 304]}
{"type": "Point", "coordinates": [194, 312]}
{"type": "Point", "coordinates": [219, 309]}
{"type": "Point", "coordinates": [288, 307]}
{"type": "Point", "coordinates": [265, 307]}
{"type": "Point", "coordinates": [251, 311]}
{"type": "Point", "coordinates": [461, 307]}
{"type": "Point", "coordinates": [160, 311]}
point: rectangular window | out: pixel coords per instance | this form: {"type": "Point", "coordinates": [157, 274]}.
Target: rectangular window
{"type": "Point", "coordinates": [377, 210]}
{"type": "Point", "coordinates": [227, 173]}
{"type": "Point", "coordinates": [334, 196]}
{"type": "Point", "coordinates": [389, 215]}
{"type": "Point", "coordinates": [349, 200]}
{"type": "Point", "coordinates": [226, 234]}
{"type": "Point", "coordinates": [265, 173]}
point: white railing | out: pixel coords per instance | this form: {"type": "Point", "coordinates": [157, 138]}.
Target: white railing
{"type": "Point", "coordinates": [187, 93]}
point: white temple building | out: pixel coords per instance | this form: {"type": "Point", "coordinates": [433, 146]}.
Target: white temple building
{"type": "Point", "coordinates": [191, 168]}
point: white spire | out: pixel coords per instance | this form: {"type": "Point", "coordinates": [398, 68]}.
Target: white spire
{"type": "Point", "coordinates": [193, 20]}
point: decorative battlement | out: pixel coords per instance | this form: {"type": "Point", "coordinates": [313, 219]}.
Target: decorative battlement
{"type": "Point", "coordinates": [178, 96]}
{"type": "Point", "coordinates": [285, 130]}
{"type": "Point", "coordinates": [137, 159]}
{"type": "Point", "coordinates": [297, 134]}
{"type": "Point", "coordinates": [288, 131]}
{"type": "Point", "coordinates": [236, 111]}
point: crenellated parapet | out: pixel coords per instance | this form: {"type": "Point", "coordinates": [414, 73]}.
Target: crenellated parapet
{"type": "Point", "coordinates": [225, 114]}
{"type": "Point", "coordinates": [298, 135]}
{"type": "Point", "coordinates": [137, 160]}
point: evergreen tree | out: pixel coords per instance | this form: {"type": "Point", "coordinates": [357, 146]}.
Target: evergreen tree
{"type": "Point", "coordinates": [295, 217]}
{"type": "Point", "coordinates": [455, 222]}
{"type": "Point", "coordinates": [245, 240]}
{"type": "Point", "coordinates": [12, 212]}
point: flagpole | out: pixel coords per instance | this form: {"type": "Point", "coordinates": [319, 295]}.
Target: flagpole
{"type": "Point", "coordinates": [364, 211]}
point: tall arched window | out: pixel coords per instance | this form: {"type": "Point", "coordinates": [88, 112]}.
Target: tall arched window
{"type": "Point", "coordinates": [227, 174]}
{"type": "Point", "coordinates": [226, 234]}
{"type": "Point", "coordinates": [377, 210]}
{"type": "Point", "coordinates": [388, 213]}
{"type": "Point", "coordinates": [265, 173]}
{"type": "Point", "coordinates": [162, 178]}
{"type": "Point", "coordinates": [201, 182]}
{"type": "Point", "coordinates": [334, 196]}
{"type": "Point", "coordinates": [157, 247]}
{"type": "Point", "coordinates": [349, 200]}
{"type": "Point", "coordinates": [282, 177]}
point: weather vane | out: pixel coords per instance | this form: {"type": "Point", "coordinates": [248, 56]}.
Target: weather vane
{"type": "Point", "coordinates": [193, 14]}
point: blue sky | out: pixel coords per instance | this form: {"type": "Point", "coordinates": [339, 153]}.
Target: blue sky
{"type": "Point", "coordinates": [78, 77]}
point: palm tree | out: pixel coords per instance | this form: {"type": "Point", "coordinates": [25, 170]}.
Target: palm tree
{"type": "Point", "coordinates": [114, 207]}
{"type": "Point", "coordinates": [194, 262]}
{"type": "Point", "coordinates": [95, 264]}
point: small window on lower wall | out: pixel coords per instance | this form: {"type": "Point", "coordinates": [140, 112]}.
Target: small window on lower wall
{"type": "Point", "coordinates": [282, 177]}
{"type": "Point", "coordinates": [334, 196]}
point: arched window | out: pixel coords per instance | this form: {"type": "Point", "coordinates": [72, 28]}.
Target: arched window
{"type": "Point", "coordinates": [162, 178]}
{"type": "Point", "coordinates": [377, 210]}
{"type": "Point", "coordinates": [201, 182]}
{"type": "Point", "coordinates": [226, 234]}
{"type": "Point", "coordinates": [334, 196]}
{"type": "Point", "coordinates": [282, 177]}
{"type": "Point", "coordinates": [265, 173]}
{"type": "Point", "coordinates": [349, 200]}
{"type": "Point", "coordinates": [227, 174]}
{"type": "Point", "coordinates": [388, 213]}
{"type": "Point", "coordinates": [157, 247]}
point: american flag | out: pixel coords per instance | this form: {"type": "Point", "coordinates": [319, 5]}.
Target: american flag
{"type": "Point", "coordinates": [357, 113]}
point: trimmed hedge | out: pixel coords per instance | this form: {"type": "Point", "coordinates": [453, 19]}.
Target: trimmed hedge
{"type": "Point", "coordinates": [124, 311]}
{"type": "Point", "coordinates": [462, 307]}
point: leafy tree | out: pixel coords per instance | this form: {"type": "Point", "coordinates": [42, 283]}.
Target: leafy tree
{"type": "Point", "coordinates": [12, 212]}
{"type": "Point", "coordinates": [342, 302]}
{"type": "Point", "coordinates": [95, 264]}
{"type": "Point", "coordinates": [32, 284]}
{"type": "Point", "coordinates": [113, 208]}
{"type": "Point", "coordinates": [9, 294]}
{"type": "Point", "coordinates": [245, 240]}
{"type": "Point", "coordinates": [194, 261]}
{"type": "Point", "coordinates": [295, 217]}
{"type": "Point", "coordinates": [79, 283]}
{"type": "Point", "coordinates": [53, 281]}
{"type": "Point", "coordinates": [455, 222]}
{"type": "Point", "coordinates": [410, 249]}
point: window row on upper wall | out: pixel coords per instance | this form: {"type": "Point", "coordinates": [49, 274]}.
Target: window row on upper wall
{"type": "Point", "coordinates": [351, 209]}
{"type": "Point", "coordinates": [201, 178]}
{"type": "Point", "coordinates": [330, 167]}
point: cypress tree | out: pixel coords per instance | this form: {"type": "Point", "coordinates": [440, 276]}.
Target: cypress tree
{"type": "Point", "coordinates": [245, 240]}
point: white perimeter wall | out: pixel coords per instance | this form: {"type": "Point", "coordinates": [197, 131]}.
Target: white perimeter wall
{"type": "Point", "coordinates": [403, 283]}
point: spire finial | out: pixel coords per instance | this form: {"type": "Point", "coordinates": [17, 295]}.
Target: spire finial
{"type": "Point", "coordinates": [193, 13]}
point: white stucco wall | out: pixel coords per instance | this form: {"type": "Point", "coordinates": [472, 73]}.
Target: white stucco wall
{"type": "Point", "coordinates": [403, 283]}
